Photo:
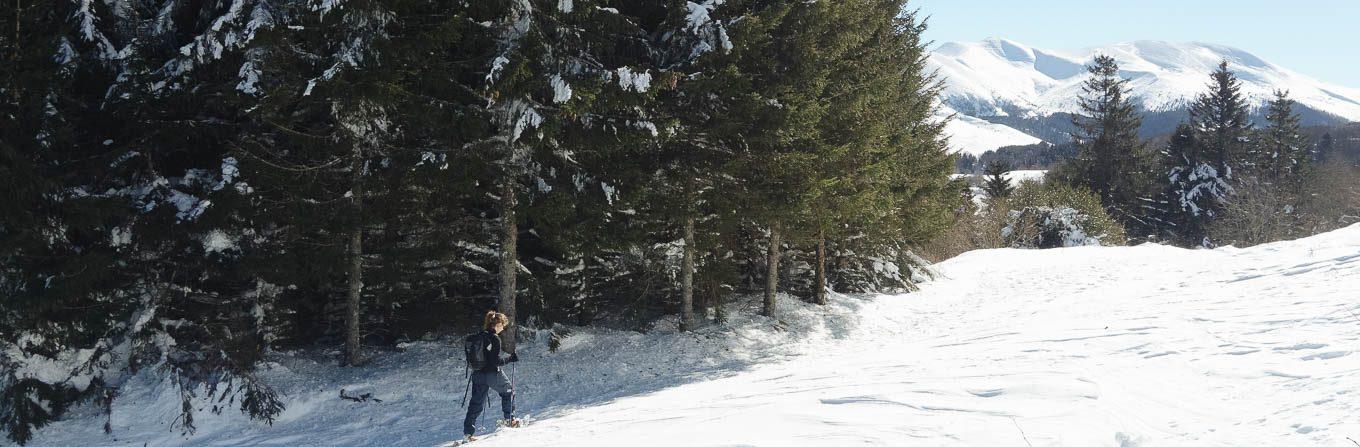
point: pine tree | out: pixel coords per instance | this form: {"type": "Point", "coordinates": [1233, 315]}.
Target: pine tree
{"type": "Point", "coordinates": [693, 142]}
{"type": "Point", "coordinates": [777, 119]}
{"type": "Point", "coordinates": [877, 153]}
{"type": "Point", "coordinates": [1322, 152]}
{"type": "Point", "coordinates": [1220, 120]}
{"type": "Point", "coordinates": [1109, 159]}
{"type": "Point", "coordinates": [1282, 153]}
{"type": "Point", "coordinates": [143, 191]}
{"type": "Point", "coordinates": [995, 184]}
{"type": "Point", "coordinates": [1193, 193]}
{"type": "Point", "coordinates": [327, 125]}
{"type": "Point", "coordinates": [1201, 177]}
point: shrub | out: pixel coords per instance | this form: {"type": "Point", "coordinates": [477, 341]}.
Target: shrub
{"type": "Point", "coordinates": [1056, 215]}
{"type": "Point", "coordinates": [1325, 199]}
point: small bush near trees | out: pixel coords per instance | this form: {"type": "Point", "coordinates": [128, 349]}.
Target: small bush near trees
{"type": "Point", "coordinates": [1056, 215]}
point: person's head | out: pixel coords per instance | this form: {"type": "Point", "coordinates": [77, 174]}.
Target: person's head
{"type": "Point", "coordinates": [495, 321]}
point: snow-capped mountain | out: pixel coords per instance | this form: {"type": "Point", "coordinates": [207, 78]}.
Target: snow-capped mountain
{"type": "Point", "coordinates": [998, 77]}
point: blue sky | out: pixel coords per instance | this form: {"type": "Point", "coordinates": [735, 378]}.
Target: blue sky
{"type": "Point", "coordinates": [1319, 38]}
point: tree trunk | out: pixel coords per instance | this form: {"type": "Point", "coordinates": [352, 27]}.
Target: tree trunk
{"type": "Point", "coordinates": [719, 299]}
{"type": "Point", "coordinates": [509, 261]}
{"type": "Point", "coordinates": [772, 275]}
{"type": "Point", "coordinates": [820, 297]}
{"type": "Point", "coordinates": [353, 356]}
{"type": "Point", "coordinates": [687, 279]}
{"type": "Point", "coordinates": [18, 6]}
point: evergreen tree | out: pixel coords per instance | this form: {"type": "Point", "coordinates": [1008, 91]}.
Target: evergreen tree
{"type": "Point", "coordinates": [1322, 152]}
{"type": "Point", "coordinates": [1220, 120]}
{"type": "Point", "coordinates": [684, 181]}
{"type": "Point", "coordinates": [1192, 193]}
{"type": "Point", "coordinates": [1200, 177]}
{"type": "Point", "coordinates": [1282, 153]}
{"type": "Point", "coordinates": [880, 176]}
{"type": "Point", "coordinates": [780, 112]}
{"type": "Point", "coordinates": [141, 251]}
{"type": "Point", "coordinates": [1109, 161]}
{"type": "Point", "coordinates": [995, 183]}
{"type": "Point", "coordinates": [326, 124]}
{"type": "Point", "coordinates": [195, 184]}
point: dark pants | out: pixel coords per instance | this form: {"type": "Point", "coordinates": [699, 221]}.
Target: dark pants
{"type": "Point", "coordinates": [481, 382]}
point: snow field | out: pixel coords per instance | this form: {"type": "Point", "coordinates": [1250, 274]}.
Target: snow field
{"type": "Point", "coordinates": [1126, 346]}
{"type": "Point", "coordinates": [1091, 346]}
{"type": "Point", "coordinates": [976, 136]}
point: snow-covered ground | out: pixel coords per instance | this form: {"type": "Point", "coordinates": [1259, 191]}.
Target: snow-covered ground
{"type": "Point", "coordinates": [1114, 346]}
{"type": "Point", "coordinates": [976, 136]}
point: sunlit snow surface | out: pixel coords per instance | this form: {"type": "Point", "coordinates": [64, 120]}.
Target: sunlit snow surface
{"type": "Point", "coordinates": [977, 136]}
{"type": "Point", "coordinates": [1142, 346]}
{"type": "Point", "coordinates": [1125, 346]}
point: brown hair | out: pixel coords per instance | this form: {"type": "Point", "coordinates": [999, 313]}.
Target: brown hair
{"type": "Point", "coordinates": [492, 318]}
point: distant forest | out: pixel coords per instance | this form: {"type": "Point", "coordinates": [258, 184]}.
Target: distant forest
{"type": "Point", "coordinates": [1344, 139]}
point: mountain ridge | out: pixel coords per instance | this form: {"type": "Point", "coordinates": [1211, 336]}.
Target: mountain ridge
{"type": "Point", "coordinates": [1001, 78]}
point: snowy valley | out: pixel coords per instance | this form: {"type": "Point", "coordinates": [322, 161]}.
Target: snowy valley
{"type": "Point", "coordinates": [1092, 346]}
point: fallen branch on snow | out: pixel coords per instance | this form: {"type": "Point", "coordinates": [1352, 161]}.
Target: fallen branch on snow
{"type": "Point", "coordinates": [360, 398]}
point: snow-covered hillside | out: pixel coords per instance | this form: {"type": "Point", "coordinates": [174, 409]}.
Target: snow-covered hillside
{"type": "Point", "coordinates": [977, 136]}
{"type": "Point", "coordinates": [998, 77]}
{"type": "Point", "coordinates": [1115, 346]}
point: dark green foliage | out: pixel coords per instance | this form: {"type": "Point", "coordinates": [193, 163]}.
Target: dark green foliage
{"type": "Point", "coordinates": [1110, 159]}
{"type": "Point", "coordinates": [29, 404]}
{"type": "Point", "coordinates": [1034, 156]}
{"type": "Point", "coordinates": [1202, 160]}
{"type": "Point", "coordinates": [1180, 220]}
{"type": "Point", "coordinates": [995, 184]}
{"type": "Point", "coordinates": [1220, 120]}
{"type": "Point", "coordinates": [1281, 149]}
{"type": "Point", "coordinates": [1322, 152]}
{"type": "Point", "coordinates": [201, 187]}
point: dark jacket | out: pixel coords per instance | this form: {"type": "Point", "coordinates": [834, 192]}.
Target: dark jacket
{"type": "Point", "coordinates": [492, 344]}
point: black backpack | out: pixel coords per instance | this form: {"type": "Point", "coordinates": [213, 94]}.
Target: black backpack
{"type": "Point", "coordinates": [475, 347]}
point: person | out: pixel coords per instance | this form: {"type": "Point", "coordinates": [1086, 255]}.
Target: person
{"type": "Point", "coordinates": [490, 376]}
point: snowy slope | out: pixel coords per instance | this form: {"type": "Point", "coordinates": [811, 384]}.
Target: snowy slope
{"type": "Point", "coordinates": [1122, 346]}
{"type": "Point", "coordinates": [976, 136]}
{"type": "Point", "coordinates": [999, 77]}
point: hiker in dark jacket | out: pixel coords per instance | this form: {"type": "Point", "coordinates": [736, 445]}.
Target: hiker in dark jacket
{"type": "Point", "coordinates": [490, 375]}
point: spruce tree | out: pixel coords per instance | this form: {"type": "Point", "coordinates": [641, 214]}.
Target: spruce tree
{"type": "Point", "coordinates": [1221, 123]}
{"type": "Point", "coordinates": [1282, 153]}
{"type": "Point", "coordinates": [778, 113]}
{"type": "Point", "coordinates": [877, 171]}
{"type": "Point", "coordinates": [1110, 159]}
{"type": "Point", "coordinates": [1322, 152]}
{"type": "Point", "coordinates": [1192, 192]}
{"type": "Point", "coordinates": [326, 124]}
{"type": "Point", "coordinates": [133, 129]}
{"type": "Point", "coordinates": [995, 183]}
{"type": "Point", "coordinates": [683, 182]}
{"type": "Point", "coordinates": [1201, 177]}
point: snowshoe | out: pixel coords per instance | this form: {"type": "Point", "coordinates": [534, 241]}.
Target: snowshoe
{"type": "Point", "coordinates": [466, 439]}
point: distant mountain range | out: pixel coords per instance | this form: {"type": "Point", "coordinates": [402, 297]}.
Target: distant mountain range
{"type": "Point", "coordinates": [1007, 93]}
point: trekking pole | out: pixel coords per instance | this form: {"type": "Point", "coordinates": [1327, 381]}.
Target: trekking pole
{"type": "Point", "coordinates": [467, 388]}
